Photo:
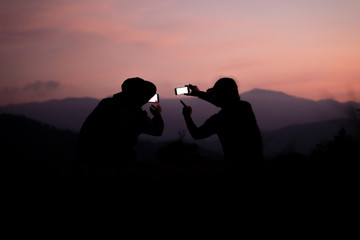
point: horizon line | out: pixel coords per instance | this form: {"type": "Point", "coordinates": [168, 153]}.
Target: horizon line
{"type": "Point", "coordinates": [175, 97]}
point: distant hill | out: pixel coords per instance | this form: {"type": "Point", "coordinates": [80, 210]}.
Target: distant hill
{"type": "Point", "coordinates": [288, 123]}
{"type": "Point", "coordinates": [303, 138]}
{"type": "Point", "coordinates": [33, 146]}
{"type": "Point", "coordinates": [273, 110]}
{"type": "Point", "coordinates": [300, 138]}
{"type": "Point", "coordinates": [67, 113]}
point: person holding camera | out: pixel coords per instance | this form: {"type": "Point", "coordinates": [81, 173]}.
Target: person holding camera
{"type": "Point", "coordinates": [235, 124]}
{"type": "Point", "coordinates": [109, 134]}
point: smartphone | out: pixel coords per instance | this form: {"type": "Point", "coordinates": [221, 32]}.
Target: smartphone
{"type": "Point", "coordinates": [154, 99]}
{"type": "Point", "coordinates": [181, 90]}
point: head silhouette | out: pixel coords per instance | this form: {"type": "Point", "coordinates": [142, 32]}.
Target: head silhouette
{"type": "Point", "coordinates": [138, 90]}
{"type": "Point", "coordinates": [225, 92]}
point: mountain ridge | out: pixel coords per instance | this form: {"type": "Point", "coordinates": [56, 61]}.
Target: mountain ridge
{"type": "Point", "coordinates": [273, 110]}
{"type": "Point", "coordinates": [252, 91]}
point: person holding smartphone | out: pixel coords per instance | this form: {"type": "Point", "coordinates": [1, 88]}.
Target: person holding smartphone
{"type": "Point", "coordinates": [109, 134]}
{"type": "Point", "coordinates": [235, 124]}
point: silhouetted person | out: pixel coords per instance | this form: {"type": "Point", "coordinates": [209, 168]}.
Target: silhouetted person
{"type": "Point", "coordinates": [109, 134]}
{"type": "Point", "coordinates": [235, 124]}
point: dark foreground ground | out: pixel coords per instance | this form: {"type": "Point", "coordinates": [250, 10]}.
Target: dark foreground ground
{"type": "Point", "coordinates": [39, 173]}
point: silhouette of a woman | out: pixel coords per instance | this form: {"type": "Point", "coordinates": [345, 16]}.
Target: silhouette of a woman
{"type": "Point", "coordinates": [235, 124]}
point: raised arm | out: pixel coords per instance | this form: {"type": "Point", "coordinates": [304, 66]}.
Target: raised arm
{"type": "Point", "coordinates": [154, 126]}
{"type": "Point", "coordinates": [194, 91]}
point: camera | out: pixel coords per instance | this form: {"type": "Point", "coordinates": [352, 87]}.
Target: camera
{"type": "Point", "coordinates": [182, 90]}
{"type": "Point", "coordinates": [154, 99]}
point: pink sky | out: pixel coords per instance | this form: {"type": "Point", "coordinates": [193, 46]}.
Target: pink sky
{"type": "Point", "coordinates": [58, 49]}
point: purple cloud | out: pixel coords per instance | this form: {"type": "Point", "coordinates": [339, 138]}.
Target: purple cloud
{"type": "Point", "coordinates": [40, 86]}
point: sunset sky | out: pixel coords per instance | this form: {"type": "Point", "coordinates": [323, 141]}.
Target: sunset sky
{"type": "Point", "coordinates": [87, 48]}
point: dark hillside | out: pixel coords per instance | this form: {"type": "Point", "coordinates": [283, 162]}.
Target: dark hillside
{"type": "Point", "coordinates": [32, 146]}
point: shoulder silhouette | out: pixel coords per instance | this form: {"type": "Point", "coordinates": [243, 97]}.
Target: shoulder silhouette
{"type": "Point", "coordinates": [235, 124]}
{"type": "Point", "coordinates": [109, 134]}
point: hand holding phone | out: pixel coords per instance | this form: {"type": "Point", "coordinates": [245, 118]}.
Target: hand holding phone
{"type": "Point", "coordinates": [190, 90]}
{"type": "Point", "coordinates": [155, 110]}
{"type": "Point", "coordinates": [182, 90]}
{"type": "Point", "coordinates": [194, 90]}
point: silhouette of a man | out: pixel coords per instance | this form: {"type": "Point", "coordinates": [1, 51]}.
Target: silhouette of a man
{"type": "Point", "coordinates": [109, 134]}
{"type": "Point", "coordinates": [235, 124]}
